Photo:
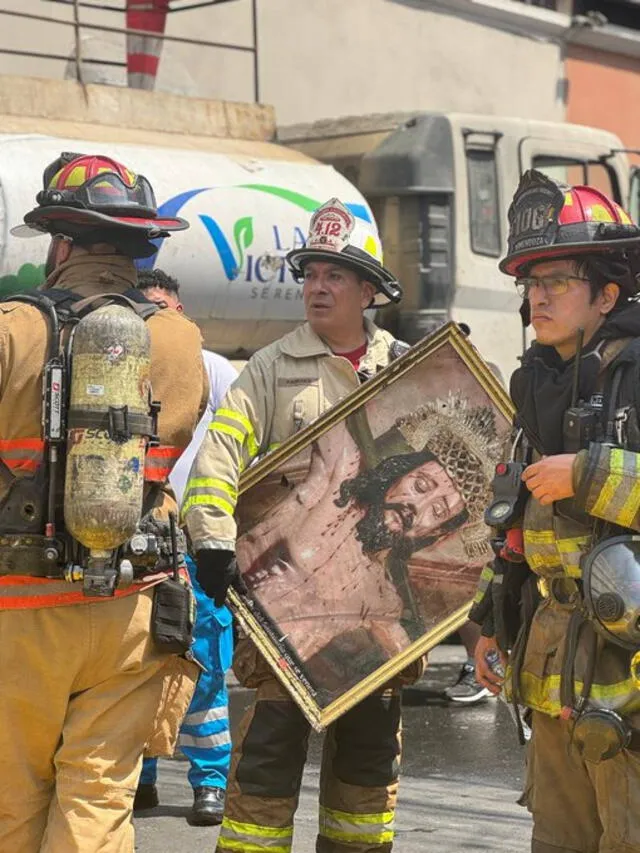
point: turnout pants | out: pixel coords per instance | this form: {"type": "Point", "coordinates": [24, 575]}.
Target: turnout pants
{"type": "Point", "coordinates": [358, 783]}
{"type": "Point", "coordinates": [577, 806]}
{"type": "Point", "coordinates": [80, 688]}
{"type": "Point", "coordinates": [204, 735]}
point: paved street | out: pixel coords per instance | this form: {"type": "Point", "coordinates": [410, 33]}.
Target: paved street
{"type": "Point", "coordinates": [462, 776]}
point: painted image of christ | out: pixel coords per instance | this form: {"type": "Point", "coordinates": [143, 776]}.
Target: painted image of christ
{"type": "Point", "coordinates": [343, 564]}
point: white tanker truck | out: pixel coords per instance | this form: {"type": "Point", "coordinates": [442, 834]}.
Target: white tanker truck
{"type": "Point", "coordinates": [439, 186]}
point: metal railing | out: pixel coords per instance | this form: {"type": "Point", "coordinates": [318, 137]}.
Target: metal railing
{"type": "Point", "coordinates": [79, 26]}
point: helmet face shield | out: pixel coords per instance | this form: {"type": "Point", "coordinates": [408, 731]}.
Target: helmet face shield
{"type": "Point", "coordinates": [611, 576]}
{"type": "Point", "coordinates": [110, 191]}
{"type": "Point", "coordinates": [107, 192]}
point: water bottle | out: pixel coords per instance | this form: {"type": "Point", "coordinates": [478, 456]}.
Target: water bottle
{"type": "Point", "coordinates": [494, 661]}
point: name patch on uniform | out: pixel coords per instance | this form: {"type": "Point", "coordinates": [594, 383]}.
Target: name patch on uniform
{"type": "Point", "coordinates": [285, 382]}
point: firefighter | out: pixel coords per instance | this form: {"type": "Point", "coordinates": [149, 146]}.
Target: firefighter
{"type": "Point", "coordinates": [283, 388]}
{"type": "Point", "coordinates": [82, 678]}
{"type": "Point", "coordinates": [575, 256]}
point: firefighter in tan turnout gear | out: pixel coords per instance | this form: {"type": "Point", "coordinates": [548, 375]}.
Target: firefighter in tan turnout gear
{"type": "Point", "coordinates": [563, 597]}
{"type": "Point", "coordinates": [283, 388]}
{"type": "Point", "coordinates": [87, 543]}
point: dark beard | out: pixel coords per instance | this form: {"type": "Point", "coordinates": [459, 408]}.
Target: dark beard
{"type": "Point", "coordinates": [374, 534]}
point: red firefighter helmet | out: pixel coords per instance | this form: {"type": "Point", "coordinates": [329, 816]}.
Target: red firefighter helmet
{"type": "Point", "coordinates": [551, 220]}
{"type": "Point", "coordinates": [84, 193]}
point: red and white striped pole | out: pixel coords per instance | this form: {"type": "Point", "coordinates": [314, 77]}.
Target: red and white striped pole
{"type": "Point", "coordinates": [143, 51]}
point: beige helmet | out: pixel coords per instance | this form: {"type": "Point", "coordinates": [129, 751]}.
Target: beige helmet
{"type": "Point", "coordinates": [335, 235]}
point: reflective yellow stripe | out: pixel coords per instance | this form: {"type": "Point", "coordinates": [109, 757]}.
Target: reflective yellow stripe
{"type": "Point", "coordinates": [486, 576]}
{"type": "Point", "coordinates": [539, 537]}
{"type": "Point", "coordinates": [252, 446]}
{"type": "Point", "coordinates": [238, 418]}
{"type": "Point", "coordinates": [351, 827]}
{"type": "Point", "coordinates": [542, 561]}
{"type": "Point", "coordinates": [630, 507]}
{"type": "Point", "coordinates": [216, 426]}
{"type": "Point", "coordinates": [208, 500]}
{"type": "Point", "coordinates": [249, 847]}
{"type": "Point", "coordinates": [213, 483]}
{"type": "Point", "coordinates": [487, 573]}
{"type": "Point", "coordinates": [616, 471]}
{"type": "Point", "coordinates": [356, 818]}
{"type": "Point", "coordinates": [355, 837]}
{"type": "Point", "coordinates": [273, 446]}
{"type": "Point", "coordinates": [241, 437]}
{"type": "Point", "coordinates": [252, 838]}
{"type": "Point", "coordinates": [543, 694]}
{"type": "Point", "coordinates": [566, 546]}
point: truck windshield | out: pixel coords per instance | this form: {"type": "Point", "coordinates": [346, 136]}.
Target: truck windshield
{"type": "Point", "coordinates": [573, 172]}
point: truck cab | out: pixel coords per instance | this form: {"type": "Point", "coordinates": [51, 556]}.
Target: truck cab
{"type": "Point", "coordinates": [440, 186]}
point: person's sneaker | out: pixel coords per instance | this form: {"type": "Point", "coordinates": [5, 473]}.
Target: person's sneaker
{"type": "Point", "coordinates": [146, 798]}
{"type": "Point", "coordinates": [466, 690]}
{"type": "Point", "coordinates": [207, 808]}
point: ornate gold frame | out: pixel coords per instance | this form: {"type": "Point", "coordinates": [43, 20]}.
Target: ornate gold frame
{"type": "Point", "coordinates": [322, 717]}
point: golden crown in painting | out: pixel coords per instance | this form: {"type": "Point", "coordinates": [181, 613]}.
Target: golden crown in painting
{"type": "Point", "coordinates": [465, 441]}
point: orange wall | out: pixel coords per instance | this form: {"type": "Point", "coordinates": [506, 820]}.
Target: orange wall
{"type": "Point", "coordinates": [604, 91]}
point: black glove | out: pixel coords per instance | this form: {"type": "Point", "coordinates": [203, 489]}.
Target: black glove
{"type": "Point", "coordinates": [216, 571]}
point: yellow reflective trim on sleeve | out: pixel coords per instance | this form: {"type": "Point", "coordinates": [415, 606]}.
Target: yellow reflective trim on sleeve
{"type": "Point", "coordinates": [630, 507]}
{"type": "Point", "coordinates": [238, 417]}
{"type": "Point", "coordinates": [616, 471]}
{"type": "Point", "coordinates": [273, 446]}
{"type": "Point", "coordinates": [486, 577]}
{"type": "Point", "coordinates": [216, 426]}
{"type": "Point", "coordinates": [241, 437]}
{"type": "Point", "coordinates": [252, 446]}
{"type": "Point", "coordinates": [213, 483]}
{"type": "Point", "coordinates": [208, 500]}
{"type": "Point", "coordinates": [487, 573]}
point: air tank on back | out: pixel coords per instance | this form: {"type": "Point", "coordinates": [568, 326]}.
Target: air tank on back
{"type": "Point", "coordinates": [109, 400]}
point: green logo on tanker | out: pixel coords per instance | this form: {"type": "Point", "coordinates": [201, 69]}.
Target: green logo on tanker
{"type": "Point", "coordinates": [27, 277]}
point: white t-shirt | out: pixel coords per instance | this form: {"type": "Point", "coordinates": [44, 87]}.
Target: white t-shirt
{"type": "Point", "coordinates": [221, 375]}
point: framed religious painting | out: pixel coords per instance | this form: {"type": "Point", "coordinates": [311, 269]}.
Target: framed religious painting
{"type": "Point", "coordinates": [361, 539]}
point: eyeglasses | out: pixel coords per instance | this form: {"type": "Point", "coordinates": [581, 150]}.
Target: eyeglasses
{"type": "Point", "coordinates": [552, 285]}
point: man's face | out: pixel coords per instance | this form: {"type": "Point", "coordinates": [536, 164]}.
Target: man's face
{"type": "Point", "coordinates": [334, 298]}
{"type": "Point", "coordinates": [556, 318]}
{"type": "Point", "coordinates": [159, 295]}
{"type": "Point", "coordinates": [422, 501]}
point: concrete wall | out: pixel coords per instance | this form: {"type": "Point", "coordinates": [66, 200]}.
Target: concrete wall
{"type": "Point", "coordinates": [394, 55]}
{"type": "Point", "coordinates": [322, 58]}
